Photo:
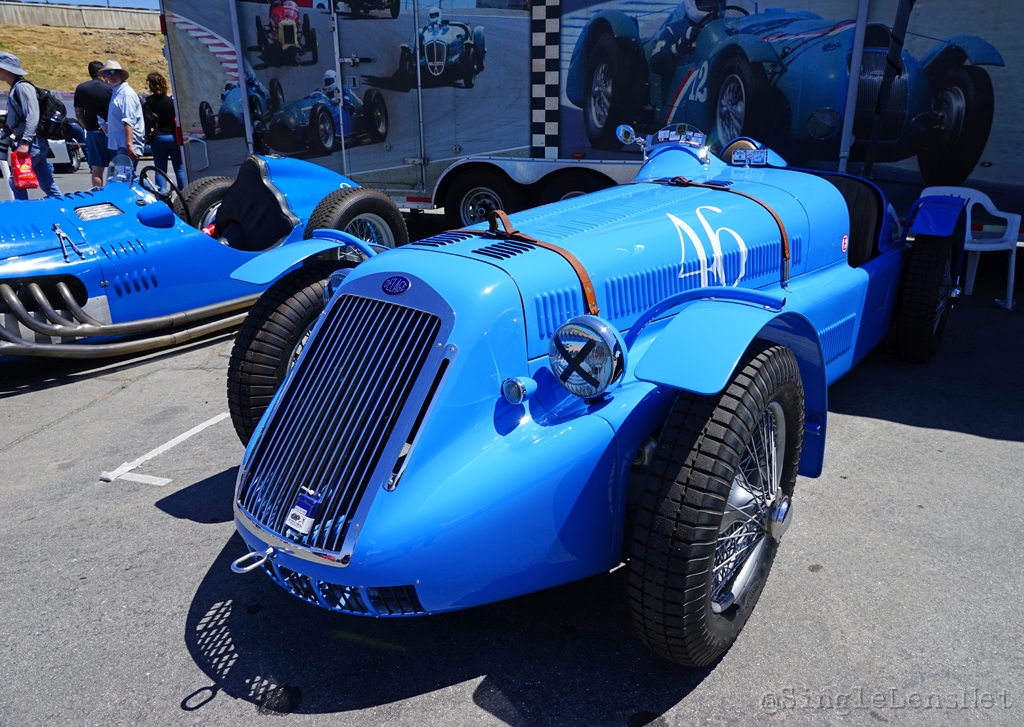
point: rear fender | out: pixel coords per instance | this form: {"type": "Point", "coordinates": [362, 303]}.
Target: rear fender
{"type": "Point", "coordinates": [700, 349]}
{"type": "Point", "coordinates": [947, 57]}
{"type": "Point", "coordinates": [755, 49]}
{"type": "Point", "coordinates": [940, 217]}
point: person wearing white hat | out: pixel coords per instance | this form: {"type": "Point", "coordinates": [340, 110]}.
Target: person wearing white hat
{"type": "Point", "coordinates": [22, 121]}
{"type": "Point", "coordinates": [126, 129]}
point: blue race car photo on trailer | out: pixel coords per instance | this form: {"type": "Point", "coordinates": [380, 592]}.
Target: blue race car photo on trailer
{"type": "Point", "coordinates": [635, 375]}
{"type": "Point", "coordinates": [139, 266]}
{"type": "Point", "coordinates": [782, 76]}
{"type": "Point", "coordinates": [450, 53]}
{"type": "Point", "coordinates": [318, 122]}
{"type": "Point", "coordinates": [228, 120]}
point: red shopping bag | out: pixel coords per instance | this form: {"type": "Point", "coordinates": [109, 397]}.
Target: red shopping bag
{"type": "Point", "coordinates": [21, 169]}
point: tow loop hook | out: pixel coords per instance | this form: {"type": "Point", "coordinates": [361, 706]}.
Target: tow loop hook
{"type": "Point", "coordinates": [257, 559]}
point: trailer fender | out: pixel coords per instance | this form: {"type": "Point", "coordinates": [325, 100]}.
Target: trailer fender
{"type": "Point", "coordinates": [702, 346]}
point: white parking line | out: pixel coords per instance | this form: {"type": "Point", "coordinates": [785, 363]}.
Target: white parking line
{"type": "Point", "coordinates": [129, 466]}
{"type": "Point", "coordinates": [144, 479]}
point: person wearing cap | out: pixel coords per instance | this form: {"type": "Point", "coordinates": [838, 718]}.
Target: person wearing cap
{"type": "Point", "coordinates": [126, 129]}
{"type": "Point", "coordinates": [22, 121]}
{"type": "Point", "coordinates": [92, 101]}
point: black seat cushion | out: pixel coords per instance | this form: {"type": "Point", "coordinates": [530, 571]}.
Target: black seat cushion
{"type": "Point", "coordinates": [866, 211]}
{"type": "Point", "coordinates": [254, 215]}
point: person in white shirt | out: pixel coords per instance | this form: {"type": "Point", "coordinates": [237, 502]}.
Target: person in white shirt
{"type": "Point", "coordinates": [126, 129]}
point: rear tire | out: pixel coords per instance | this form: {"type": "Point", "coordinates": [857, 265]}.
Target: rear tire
{"type": "Point", "coordinates": [704, 513]}
{"type": "Point", "coordinates": [207, 120]}
{"type": "Point", "coordinates": [270, 341]}
{"type": "Point", "coordinates": [362, 212]}
{"type": "Point", "coordinates": [925, 298]}
{"type": "Point", "coordinates": [377, 115]}
{"type": "Point", "coordinates": [606, 104]}
{"type": "Point", "coordinates": [203, 197]}
{"type": "Point", "coordinates": [966, 106]}
{"type": "Point", "coordinates": [276, 100]}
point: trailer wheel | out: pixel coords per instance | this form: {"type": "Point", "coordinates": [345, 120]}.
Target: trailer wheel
{"type": "Point", "coordinates": [572, 184]}
{"type": "Point", "coordinates": [715, 503]}
{"type": "Point", "coordinates": [362, 212]}
{"type": "Point", "coordinates": [476, 192]}
{"type": "Point", "coordinates": [270, 341]}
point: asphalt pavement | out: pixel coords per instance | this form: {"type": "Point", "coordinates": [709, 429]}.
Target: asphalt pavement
{"type": "Point", "coordinates": [895, 598]}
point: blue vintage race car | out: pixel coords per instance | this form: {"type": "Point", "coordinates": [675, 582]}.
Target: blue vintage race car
{"type": "Point", "coordinates": [449, 52]}
{"type": "Point", "coordinates": [98, 267]}
{"type": "Point", "coordinates": [319, 121]}
{"type": "Point", "coordinates": [229, 120]}
{"type": "Point", "coordinates": [636, 374]}
{"type": "Point", "coordinates": [782, 77]}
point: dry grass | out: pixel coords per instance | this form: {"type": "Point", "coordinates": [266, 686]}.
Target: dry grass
{"type": "Point", "coordinates": [56, 58]}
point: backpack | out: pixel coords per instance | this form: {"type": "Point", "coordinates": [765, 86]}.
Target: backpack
{"type": "Point", "coordinates": [52, 115]}
{"type": "Point", "coordinates": [150, 117]}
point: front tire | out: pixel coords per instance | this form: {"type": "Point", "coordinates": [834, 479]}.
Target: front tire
{"type": "Point", "coordinates": [925, 298]}
{"type": "Point", "coordinates": [606, 103]}
{"type": "Point", "coordinates": [207, 120]}
{"type": "Point", "coordinates": [965, 108]}
{"type": "Point", "coordinates": [740, 104]}
{"type": "Point", "coordinates": [395, 7]}
{"type": "Point", "coordinates": [376, 115]}
{"type": "Point", "coordinates": [477, 192]}
{"type": "Point", "coordinates": [270, 341]}
{"type": "Point", "coordinates": [276, 100]}
{"type": "Point", "coordinates": [321, 131]}
{"type": "Point", "coordinates": [703, 538]}
{"type": "Point", "coordinates": [469, 63]}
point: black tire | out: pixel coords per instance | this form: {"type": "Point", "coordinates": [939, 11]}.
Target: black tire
{"type": "Point", "coordinates": [571, 184]}
{"type": "Point", "coordinates": [469, 66]}
{"type": "Point", "coordinates": [306, 27]}
{"type": "Point", "coordinates": [476, 192]}
{"type": "Point", "coordinates": [202, 197]}
{"type": "Point", "coordinates": [321, 131]}
{"type": "Point", "coordinates": [276, 99]}
{"type": "Point", "coordinates": [606, 104]}
{"type": "Point", "coordinates": [261, 35]}
{"type": "Point", "coordinates": [376, 115]}
{"type": "Point", "coordinates": [314, 48]}
{"type": "Point", "coordinates": [687, 519]}
{"type": "Point", "coordinates": [207, 120]}
{"type": "Point", "coordinates": [366, 213]}
{"type": "Point", "coordinates": [395, 6]}
{"type": "Point", "coordinates": [741, 101]}
{"type": "Point", "coordinates": [965, 108]}
{"type": "Point", "coordinates": [269, 341]}
{"type": "Point", "coordinates": [925, 298]}
{"type": "Point", "coordinates": [407, 68]}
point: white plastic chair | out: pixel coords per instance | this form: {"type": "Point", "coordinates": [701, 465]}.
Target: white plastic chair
{"type": "Point", "coordinates": [998, 240]}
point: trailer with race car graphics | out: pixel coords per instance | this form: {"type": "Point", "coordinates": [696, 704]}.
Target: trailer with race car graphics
{"type": "Point", "coordinates": [478, 105]}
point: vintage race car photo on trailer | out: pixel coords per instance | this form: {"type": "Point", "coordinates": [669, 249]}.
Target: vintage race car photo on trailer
{"type": "Point", "coordinates": [637, 374]}
{"type": "Point", "coordinates": [450, 52]}
{"type": "Point", "coordinates": [782, 76]}
{"type": "Point", "coordinates": [319, 122]}
{"type": "Point", "coordinates": [133, 267]}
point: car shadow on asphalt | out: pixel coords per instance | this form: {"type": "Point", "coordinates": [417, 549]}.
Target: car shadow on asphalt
{"type": "Point", "coordinates": [566, 655]}
{"type": "Point", "coordinates": [973, 385]}
{"type": "Point", "coordinates": [207, 501]}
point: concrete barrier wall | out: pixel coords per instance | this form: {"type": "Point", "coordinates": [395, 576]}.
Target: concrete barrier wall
{"type": "Point", "coordinates": [75, 16]}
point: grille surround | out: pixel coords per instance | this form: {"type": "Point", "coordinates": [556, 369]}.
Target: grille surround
{"type": "Point", "coordinates": [436, 54]}
{"type": "Point", "coordinates": [297, 444]}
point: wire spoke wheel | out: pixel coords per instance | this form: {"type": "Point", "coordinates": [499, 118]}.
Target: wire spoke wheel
{"type": "Point", "coordinates": [715, 504]}
{"type": "Point", "coordinates": [372, 228]}
{"type": "Point", "coordinates": [600, 96]}
{"type": "Point", "coordinates": [732, 108]}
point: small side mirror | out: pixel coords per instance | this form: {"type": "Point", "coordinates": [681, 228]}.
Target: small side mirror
{"type": "Point", "coordinates": [625, 134]}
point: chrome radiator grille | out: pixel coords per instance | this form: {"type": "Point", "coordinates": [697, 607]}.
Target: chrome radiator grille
{"type": "Point", "coordinates": [437, 55]}
{"type": "Point", "coordinates": [335, 418]}
{"type": "Point", "coordinates": [871, 72]}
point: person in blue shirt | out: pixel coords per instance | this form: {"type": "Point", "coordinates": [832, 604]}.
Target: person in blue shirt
{"type": "Point", "coordinates": [21, 124]}
{"type": "Point", "coordinates": [126, 129]}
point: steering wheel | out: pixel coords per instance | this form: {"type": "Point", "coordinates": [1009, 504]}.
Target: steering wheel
{"type": "Point", "coordinates": [720, 13]}
{"type": "Point", "coordinates": [167, 197]}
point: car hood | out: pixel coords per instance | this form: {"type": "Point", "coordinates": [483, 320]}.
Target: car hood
{"type": "Point", "coordinates": [27, 227]}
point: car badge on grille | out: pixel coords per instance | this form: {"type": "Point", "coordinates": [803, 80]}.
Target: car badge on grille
{"type": "Point", "coordinates": [396, 285]}
{"type": "Point", "coordinates": [304, 512]}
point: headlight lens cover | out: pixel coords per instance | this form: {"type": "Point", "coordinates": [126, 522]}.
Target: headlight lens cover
{"type": "Point", "coordinates": [334, 281]}
{"type": "Point", "coordinates": [587, 356]}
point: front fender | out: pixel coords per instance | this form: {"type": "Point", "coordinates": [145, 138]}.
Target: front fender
{"type": "Point", "coordinates": [755, 49]}
{"type": "Point", "coordinates": [621, 27]}
{"type": "Point", "coordinates": [700, 349]}
{"type": "Point", "coordinates": [268, 267]}
{"type": "Point", "coordinates": [946, 57]}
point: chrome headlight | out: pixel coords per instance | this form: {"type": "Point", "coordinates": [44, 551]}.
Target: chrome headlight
{"type": "Point", "coordinates": [334, 281]}
{"type": "Point", "coordinates": [587, 356]}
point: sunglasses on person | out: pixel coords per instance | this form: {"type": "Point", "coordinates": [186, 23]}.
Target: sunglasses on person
{"type": "Point", "coordinates": [110, 73]}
